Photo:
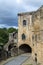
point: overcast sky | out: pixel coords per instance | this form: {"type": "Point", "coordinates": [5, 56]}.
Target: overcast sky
{"type": "Point", "coordinates": [10, 8]}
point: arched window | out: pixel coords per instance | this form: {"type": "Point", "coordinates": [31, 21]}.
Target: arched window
{"type": "Point", "coordinates": [23, 36]}
{"type": "Point", "coordinates": [36, 37]}
{"type": "Point", "coordinates": [24, 22]}
{"type": "Point", "coordinates": [33, 37]}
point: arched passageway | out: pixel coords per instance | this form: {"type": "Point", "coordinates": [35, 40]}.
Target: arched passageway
{"type": "Point", "coordinates": [25, 48]}
{"type": "Point", "coordinates": [10, 46]}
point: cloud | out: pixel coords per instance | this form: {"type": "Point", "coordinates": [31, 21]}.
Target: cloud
{"type": "Point", "coordinates": [6, 26]}
{"type": "Point", "coordinates": [2, 25]}
{"type": "Point", "coordinates": [10, 8]}
{"type": "Point", "coordinates": [9, 21]}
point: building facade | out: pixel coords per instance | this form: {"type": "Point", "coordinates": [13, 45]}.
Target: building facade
{"type": "Point", "coordinates": [30, 32]}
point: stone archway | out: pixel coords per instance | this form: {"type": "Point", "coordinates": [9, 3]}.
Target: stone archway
{"type": "Point", "coordinates": [25, 48]}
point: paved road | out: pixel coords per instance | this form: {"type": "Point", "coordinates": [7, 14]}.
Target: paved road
{"type": "Point", "coordinates": [18, 60]}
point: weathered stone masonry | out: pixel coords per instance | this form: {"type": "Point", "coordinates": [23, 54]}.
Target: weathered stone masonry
{"type": "Point", "coordinates": [30, 26]}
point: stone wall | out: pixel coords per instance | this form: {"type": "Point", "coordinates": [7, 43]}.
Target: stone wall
{"type": "Point", "coordinates": [38, 30]}
{"type": "Point", "coordinates": [34, 27]}
{"type": "Point", "coordinates": [24, 29]}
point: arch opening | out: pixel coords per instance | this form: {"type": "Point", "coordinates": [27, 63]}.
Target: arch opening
{"type": "Point", "coordinates": [10, 46]}
{"type": "Point", "coordinates": [25, 48]}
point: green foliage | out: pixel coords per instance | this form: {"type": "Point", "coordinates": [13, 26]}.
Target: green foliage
{"type": "Point", "coordinates": [4, 34]}
{"type": "Point", "coordinates": [1, 40]}
{"type": "Point", "coordinates": [10, 30]}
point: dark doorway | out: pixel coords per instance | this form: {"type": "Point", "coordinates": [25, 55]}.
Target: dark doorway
{"type": "Point", "coordinates": [25, 48]}
{"type": "Point", "coordinates": [10, 46]}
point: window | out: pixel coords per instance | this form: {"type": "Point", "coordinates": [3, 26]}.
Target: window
{"type": "Point", "coordinates": [24, 22]}
{"type": "Point", "coordinates": [33, 40]}
{"type": "Point", "coordinates": [35, 54]}
{"type": "Point", "coordinates": [23, 37]}
{"type": "Point", "coordinates": [35, 37]}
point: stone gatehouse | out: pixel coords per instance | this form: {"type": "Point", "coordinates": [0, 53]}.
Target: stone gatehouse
{"type": "Point", "coordinates": [30, 33]}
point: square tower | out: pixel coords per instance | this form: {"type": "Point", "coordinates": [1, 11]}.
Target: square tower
{"type": "Point", "coordinates": [24, 28]}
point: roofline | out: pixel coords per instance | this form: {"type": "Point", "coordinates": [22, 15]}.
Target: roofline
{"type": "Point", "coordinates": [39, 8]}
{"type": "Point", "coordinates": [27, 13]}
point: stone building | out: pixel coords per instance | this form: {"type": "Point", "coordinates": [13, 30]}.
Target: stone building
{"type": "Point", "coordinates": [11, 46]}
{"type": "Point", "coordinates": [13, 38]}
{"type": "Point", "coordinates": [30, 33]}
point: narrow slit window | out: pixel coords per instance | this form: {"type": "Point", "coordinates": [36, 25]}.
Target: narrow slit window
{"type": "Point", "coordinates": [24, 22]}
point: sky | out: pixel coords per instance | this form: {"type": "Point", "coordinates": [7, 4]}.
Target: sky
{"type": "Point", "coordinates": [10, 8]}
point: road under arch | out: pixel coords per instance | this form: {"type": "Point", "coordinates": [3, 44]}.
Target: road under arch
{"type": "Point", "coordinates": [25, 48]}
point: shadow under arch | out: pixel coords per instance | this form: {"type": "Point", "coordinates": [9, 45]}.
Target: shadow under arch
{"type": "Point", "coordinates": [25, 48]}
{"type": "Point", "coordinates": [10, 46]}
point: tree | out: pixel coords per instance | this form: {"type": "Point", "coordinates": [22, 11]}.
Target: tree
{"type": "Point", "coordinates": [3, 36]}
{"type": "Point", "coordinates": [10, 30]}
